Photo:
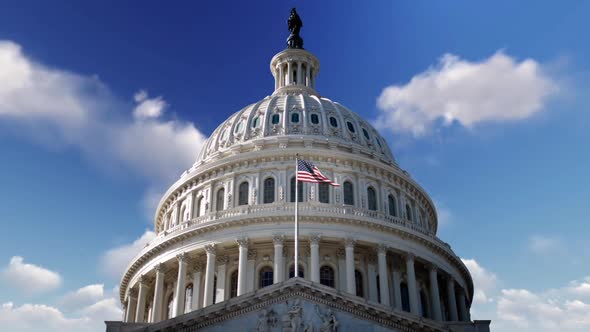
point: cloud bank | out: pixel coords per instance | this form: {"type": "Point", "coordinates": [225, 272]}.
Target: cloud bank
{"type": "Point", "coordinates": [114, 261]}
{"type": "Point", "coordinates": [496, 89]}
{"type": "Point", "coordinates": [30, 278]}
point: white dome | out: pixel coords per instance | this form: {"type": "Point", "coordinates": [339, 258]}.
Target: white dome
{"type": "Point", "coordinates": [295, 115]}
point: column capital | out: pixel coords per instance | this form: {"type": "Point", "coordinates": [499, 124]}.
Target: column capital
{"type": "Point", "coordinates": [243, 242]}
{"type": "Point", "coordinates": [432, 267]}
{"type": "Point", "coordinates": [409, 257]}
{"type": "Point", "coordinates": [182, 257]}
{"type": "Point", "coordinates": [210, 249]}
{"type": "Point", "coordinates": [314, 239]}
{"type": "Point", "coordinates": [340, 253]}
{"type": "Point", "coordinates": [252, 254]}
{"type": "Point", "coordinates": [349, 243]}
{"type": "Point", "coordinates": [222, 260]}
{"type": "Point", "coordinates": [198, 267]}
{"type": "Point", "coordinates": [143, 279]}
{"type": "Point", "coordinates": [381, 249]}
{"type": "Point", "coordinates": [278, 239]}
{"type": "Point", "coordinates": [159, 268]}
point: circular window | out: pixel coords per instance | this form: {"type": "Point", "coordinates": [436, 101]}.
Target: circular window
{"type": "Point", "coordinates": [350, 126]}
{"type": "Point", "coordinates": [333, 122]}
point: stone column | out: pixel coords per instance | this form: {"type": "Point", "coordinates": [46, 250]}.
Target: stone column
{"type": "Point", "coordinates": [299, 76]}
{"type": "Point", "coordinates": [314, 246]}
{"type": "Point", "coordinates": [397, 290]}
{"type": "Point", "coordinates": [221, 275]}
{"type": "Point", "coordinates": [412, 290]}
{"type": "Point", "coordinates": [179, 294]}
{"type": "Point", "coordinates": [278, 273]}
{"type": "Point", "coordinates": [350, 282]}
{"type": "Point", "coordinates": [131, 308]}
{"type": "Point", "coordinates": [434, 294]}
{"type": "Point", "coordinates": [289, 73]}
{"type": "Point", "coordinates": [197, 275]}
{"type": "Point", "coordinates": [251, 270]}
{"type": "Point", "coordinates": [451, 298]}
{"type": "Point", "coordinates": [340, 254]}
{"type": "Point", "coordinates": [158, 294]}
{"type": "Point", "coordinates": [383, 279]}
{"type": "Point", "coordinates": [277, 77]}
{"type": "Point", "coordinates": [372, 275]}
{"type": "Point", "coordinates": [463, 313]}
{"type": "Point", "coordinates": [141, 297]}
{"type": "Point", "coordinates": [209, 275]}
{"type": "Point", "coordinates": [307, 76]}
{"type": "Point", "coordinates": [281, 75]}
{"type": "Point", "coordinates": [242, 265]}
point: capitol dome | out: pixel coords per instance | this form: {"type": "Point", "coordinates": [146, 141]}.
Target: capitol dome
{"type": "Point", "coordinates": [225, 228]}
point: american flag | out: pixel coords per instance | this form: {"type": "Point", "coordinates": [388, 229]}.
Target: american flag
{"type": "Point", "coordinates": [308, 172]}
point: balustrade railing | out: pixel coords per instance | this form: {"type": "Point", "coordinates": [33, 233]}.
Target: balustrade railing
{"type": "Point", "coordinates": [305, 209]}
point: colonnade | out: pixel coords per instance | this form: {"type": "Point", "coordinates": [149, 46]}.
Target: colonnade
{"type": "Point", "coordinates": [393, 275]}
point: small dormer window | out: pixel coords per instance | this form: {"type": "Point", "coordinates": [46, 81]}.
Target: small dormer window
{"type": "Point", "coordinates": [295, 118]}
{"type": "Point", "coordinates": [256, 122]}
{"type": "Point", "coordinates": [366, 133]}
{"type": "Point", "coordinates": [275, 119]}
{"type": "Point", "coordinates": [315, 119]}
{"type": "Point", "coordinates": [333, 122]}
{"type": "Point", "coordinates": [350, 127]}
{"type": "Point", "coordinates": [238, 128]}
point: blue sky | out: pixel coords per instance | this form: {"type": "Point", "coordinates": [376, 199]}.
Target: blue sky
{"type": "Point", "coordinates": [483, 103]}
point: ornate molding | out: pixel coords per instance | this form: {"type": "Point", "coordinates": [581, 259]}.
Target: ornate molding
{"type": "Point", "coordinates": [243, 242]}
{"type": "Point", "coordinates": [210, 249]}
{"type": "Point", "coordinates": [349, 243]}
{"type": "Point", "coordinates": [314, 239]}
{"type": "Point", "coordinates": [278, 239]}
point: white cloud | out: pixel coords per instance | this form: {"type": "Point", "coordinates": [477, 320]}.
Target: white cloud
{"type": "Point", "coordinates": [30, 278]}
{"type": "Point", "coordinates": [39, 317]}
{"type": "Point", "coordinates": [106, 309]}
{"type": "Point", "coordinates": [83, 296]}
{"type": "Point", "coordinates": [115, 260]}
{"type": "Point", "coordinates": [484, 282]}
{"type": "Point", "coordinates": [537, 312]}
{"type": "Point", "coordinates": [580, 288]}
{"type": "Point", "coordinates": [55, 106]}
{"type": "Point", "coordinates": [499, 88]}
{"type": "Point", "coordinates": [544, 245]}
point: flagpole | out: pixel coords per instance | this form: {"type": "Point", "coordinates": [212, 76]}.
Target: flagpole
{"type": "Point", "coordinates": [296, 216]}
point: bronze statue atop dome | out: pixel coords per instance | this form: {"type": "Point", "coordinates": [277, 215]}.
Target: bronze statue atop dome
{"type": "Point", "coordinates": [294, 23]}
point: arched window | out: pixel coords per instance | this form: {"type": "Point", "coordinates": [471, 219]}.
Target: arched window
{"type": "Point", "coordinates": [424, 303]}
{"type": "Point", "coordinates": [324, 192]}
{"type": "Point", "coordinates": [299, 191]}
{"type": "Point", "coordinates": [378, 289]}
{"type": "Point", "coordinates": [182, 216]}
{"type": "Point", "coordinates": [391, 203]}
{"type": "Point", "coordinates": [348, 193]}
{"type": "Point", "coordinates": [372, 198]}
{"type": "Point", "coordinates": [269, 190]}
{"type": "Point", "coordinates": [170, 306]}
{"type": "Point", "coordinates": [220, 199]}
{"type": "Point", "coordinates": [327, 276]}
{"type": "Point", "coordinates": [408, 212]}
{"type": "Point", "coordinates": [358, 280]}
{"type": "Point", "coordinates": [215, 289]}
{"type": "Point", "coordinates": [366, 133]}
{"type": "Point", "coordinates": [200, 208]}
{"type": "Point", "coordinates": [243, 193]}
{"type": "Point", "coordinates": [238, 128]}
{"type": "Point", "coordinates": [295, 117]}
{"type": "Point", "coordinates": [405, 296]}
{"type": "Point", "coordinates": [275, 119]}
{"type": "Point", "coordinates": [301, 272]}
{"type": "Point", "coordinates": [265, 277]}
{"type": "Point", "coordinates": [233, 284]}
{"type": "Point", "coordinates": [188, 298]}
